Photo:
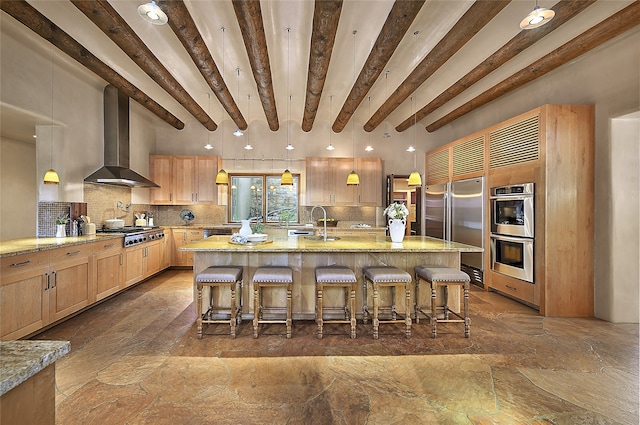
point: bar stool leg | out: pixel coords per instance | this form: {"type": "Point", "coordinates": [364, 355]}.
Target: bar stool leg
{"type": "Point", "coordinates": [256, 309]}
{"type": "Point", "coordinates": [467, 330]}
{"type": "Point", "coordinates": [233, 309]}
{"type": "Point", "coordinates": [353, 311]}
{"type": "Point", "coordinates": [376, 306]}
{"type": "Point", "coordinates": [319, 309]}
{"type": "Point", "coordinates": [434, 311]}
{"type": "Point", "coordinates": [365, 313]}
{"type": "Point", "coordinates": [199, 310]}
{"type": "Point", "coordinates": [415, 306]}
{"type": "Point", "coordinates": [394, 311]}
{"type": "Point", "coordinates": [289, 320]}
{"type": "Point", "coordinates": [407, 319]}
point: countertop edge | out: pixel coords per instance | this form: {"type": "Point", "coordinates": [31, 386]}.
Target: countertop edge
{"type": "Point", "coordinates": [15, 247]}
{"type": "Point", "coordinates": [20, 360]}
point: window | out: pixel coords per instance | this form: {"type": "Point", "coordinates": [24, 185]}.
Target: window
{"type": "Point", "coordinates": [262, 198]}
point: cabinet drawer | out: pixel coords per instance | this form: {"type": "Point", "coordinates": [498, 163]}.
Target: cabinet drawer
{"type": "Point", "coordinates": [106, 246]}
{"type": "Point", "coordinates": [70, 253]}
{"type": "Point", "coordinates": [513, 287]}
{"type": "Point", "coordinates": [19, 263]}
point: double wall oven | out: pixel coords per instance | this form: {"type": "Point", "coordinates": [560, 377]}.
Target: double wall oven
{"type": "Point", "coordinates": [512, 230]}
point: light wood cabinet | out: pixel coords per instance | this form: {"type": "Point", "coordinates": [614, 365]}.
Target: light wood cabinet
{"type": "Point", "coordinates": [180, 238]}
{"type": "Point", "coordinates": [108, 268]}
{"type": "Point", "coordinates": [327, 181]}
{"type": "Point", "coordinates": [142, 261]}
{"type": "Point", "coordinates": [167, 252]}
{"type": "Point", "coordinates": [71, 287]}
{"type": "Point", "coordinates": [24, 294]}
{"type": "Point", "coordinates": [183, 180]}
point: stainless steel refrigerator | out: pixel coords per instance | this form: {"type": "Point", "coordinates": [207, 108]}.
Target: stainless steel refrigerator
{"type": "Point", "coordinates": [454, 211]}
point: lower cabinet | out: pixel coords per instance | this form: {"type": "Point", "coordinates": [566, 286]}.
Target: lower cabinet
{"type": "Point", "coordinates": [109, 268]}
{"type": "Point", "coordinates": [70, 289]}
{"type": "Point", "coordinates": [142, 261]}
{"type": "Point", "coordinates": [180, 238]}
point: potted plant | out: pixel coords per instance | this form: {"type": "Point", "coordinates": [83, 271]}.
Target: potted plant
{"type": "Point", "coordinates": [61, 225]}
{"type": "Point", "coordinates": [397, 219]}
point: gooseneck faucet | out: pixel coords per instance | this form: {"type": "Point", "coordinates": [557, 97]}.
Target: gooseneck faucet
{"type": "Point", "coordinates": [324, 216]}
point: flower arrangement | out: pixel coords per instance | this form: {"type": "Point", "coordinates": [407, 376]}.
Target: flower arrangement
{"type": "Point", "coordinates": [62, 218]}
{"type": "Point", "coordinates": [396, 210]}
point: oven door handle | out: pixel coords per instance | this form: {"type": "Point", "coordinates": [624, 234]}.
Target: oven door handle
{"type": "Point", "coordinates": [517, 239]}
{"type": "Point", "coordinates": [511, 198]}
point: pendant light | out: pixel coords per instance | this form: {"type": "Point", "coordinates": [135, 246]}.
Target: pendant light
{"type": "Point", "coordinates": [51, 176]}
{"type": "Point", "coordinates": [414, 177]}
{"type": "Point", "coordinates": [538, 17]}
{"type": "Point", "coordinates": [369, 148]}
{"type": "Point", "coordinates": [330, 147]}
{"type": "Point", "coordinates": [151, 12]}
{"type": "Point", "coordinates": [238, 132]}
{"type": "Point", "coordinates": [386, 134]}
{"type": "Point", "coordinates": [222, 178]}
{"type": "Point", "coordinates": [209, 146]}
{"type": "Point", "coordinates": [287, 178]}
{"type": "Point", "coordinates": [353, 179]}
{"type": "Point", "coordinates": [248, 145]}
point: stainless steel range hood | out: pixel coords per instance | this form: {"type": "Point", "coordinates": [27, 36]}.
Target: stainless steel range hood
{"type": "Point", "coordinates": [116, 169]}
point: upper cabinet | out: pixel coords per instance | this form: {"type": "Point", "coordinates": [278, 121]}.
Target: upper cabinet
{"type": "Point", "coordinates": [327, 181]}
{"type": "Point", "coordinates": [183, 180]}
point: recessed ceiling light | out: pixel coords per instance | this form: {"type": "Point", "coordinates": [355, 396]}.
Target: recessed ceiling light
{"type": "Point", "coordinates": [151, 12]}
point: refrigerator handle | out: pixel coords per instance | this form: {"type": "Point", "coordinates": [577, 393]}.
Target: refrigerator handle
{"type": "Point", "coordinates": [446, 222]}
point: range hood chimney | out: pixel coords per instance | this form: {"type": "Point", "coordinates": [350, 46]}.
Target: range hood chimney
{"type": "Point", "coordinates": [116, 169]}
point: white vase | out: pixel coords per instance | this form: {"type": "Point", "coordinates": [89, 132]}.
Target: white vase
{"type": "Point", "coordinates": [397, 229]}
{"type": "Point", "coordinates": [245, 230]}
{"type": "Point", "coordinates": [61, 230]}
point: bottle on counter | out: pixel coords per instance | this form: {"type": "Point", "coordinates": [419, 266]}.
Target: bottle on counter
{"type": "Point", "coordinates": [74, 228]}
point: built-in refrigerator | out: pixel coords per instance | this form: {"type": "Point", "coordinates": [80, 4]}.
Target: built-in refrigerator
{"type": "Point", "coordinates": [454, 211]}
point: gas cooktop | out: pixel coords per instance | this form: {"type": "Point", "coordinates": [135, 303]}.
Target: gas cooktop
{"type": "Point", "coordinates": [135, 235]}
{"type": "Point", "coordinates": [128, 229]}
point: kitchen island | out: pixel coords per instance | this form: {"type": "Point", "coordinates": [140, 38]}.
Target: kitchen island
{"type": "Point", "coordinates": [303, 255]}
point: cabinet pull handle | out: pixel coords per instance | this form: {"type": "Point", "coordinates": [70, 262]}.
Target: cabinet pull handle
{"type": "Point", "coordinates": [46, 275]}
{"type": "Point", "coordinates": [121, 259]}
{"type": "Point", "coordinates": [55, 279]}
{"type": "Point", "coordinates": [108, 245]}
{"type": "Point", "coordinates": [21, 263]}
{"type": "Point", "coordinates": [170, 196]}
{"type": "Point", "coordinates": [73, 252]}
{"type": "Point", "coordinates": [511, 287]}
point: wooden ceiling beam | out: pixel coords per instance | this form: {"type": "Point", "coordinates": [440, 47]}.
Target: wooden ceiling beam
{"type": "Point", "coordinates": [397, 24]}
{"type": "Point", "coordinates": [326, 16]}
{"type": "Point", "coordinates": [105, 17]}
{"type": "Point", "coordinates": [249, 15]}
{"type": "Point", "coordinates": [611, 27]}
{"type": "Point", "coordinates": [185, 29]}
{"type": "Point", "coordinates": [565, 10]}
{"type": "Point", "coordinates": [478, 15]}
{"type": "Point", "coordinates": [38, 23]}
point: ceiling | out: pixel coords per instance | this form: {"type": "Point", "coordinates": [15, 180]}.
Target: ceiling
{"type": "Point", "coordinates": [420, 57]}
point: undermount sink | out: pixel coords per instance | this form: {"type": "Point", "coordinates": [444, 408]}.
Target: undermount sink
{"type": "Point", "coordinates": [320, 238]}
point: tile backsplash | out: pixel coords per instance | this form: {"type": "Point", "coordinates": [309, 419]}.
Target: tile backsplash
{"type": "Point", "coordinates": [47, 213]}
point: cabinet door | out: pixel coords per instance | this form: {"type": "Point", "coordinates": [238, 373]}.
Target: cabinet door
{"type": "Point", "coordinates": [343, 194]}
{"type": "Point", "coordinates": [184, 180]}
{"type": "Point", "coordinates": [108, 268]}
{"type": "Point", "coordinates": [24, 295]}
{"type": "Point", "coordinates": [72, 279]}
{"type": "Point", "coordinates": [319, 181]}
{"type": "Point", "coordinates": [205, 180]}
{"type": "Point", "coordinates": [166, 249]}
{"type": "Point", "coordinates": [370, 189]}
{"type": "Point", "coordinates": [153, 257]}
{"type": "Point", "coordinates": [134, 265]}
{"type": "Point", "coordinates": [161, 173]}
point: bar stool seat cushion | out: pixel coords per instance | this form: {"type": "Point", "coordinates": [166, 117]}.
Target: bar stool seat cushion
{"type": "Point", "coordinates": [383, 274]}
{"type": "Point", "coordinates": [269, 274]}
{"type": "Point", "coordinates": [219, 274]}
{"type": "Point", "coordinates": [335, 274]}
{"type": "Point", "coordinates": [441, 274]}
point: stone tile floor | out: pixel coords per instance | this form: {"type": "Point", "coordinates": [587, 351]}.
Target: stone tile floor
{"type": "Point", "coordinates": [135, 359]}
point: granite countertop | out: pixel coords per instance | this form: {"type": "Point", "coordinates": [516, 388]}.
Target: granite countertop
{"type": "Point", "coordinates": [20, 360]}
{"type": "Point", "coordinates": [343, 244]}
{"type": "Point", "coordinates": [29, 245]}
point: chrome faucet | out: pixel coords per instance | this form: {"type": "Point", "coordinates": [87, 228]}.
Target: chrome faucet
{"type": "Point", "coordinates": [324, 216]}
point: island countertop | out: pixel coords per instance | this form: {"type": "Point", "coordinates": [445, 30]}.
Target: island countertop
{"type": "Point", "coordinates": [343, 244]}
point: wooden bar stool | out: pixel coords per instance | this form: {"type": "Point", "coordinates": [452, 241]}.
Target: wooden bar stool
{"type": "Point", "coordinates": [386, 276]}
{"type": "Point", "coordinates": [271, 277]}
{"type": "Point", "coordinates": [442, 276]}
{"type": "Point", "coordinates": [336, 277]}
{"type": "Point", "coordinates": [218, 277]}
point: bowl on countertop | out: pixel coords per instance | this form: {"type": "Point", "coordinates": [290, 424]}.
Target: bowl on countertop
{"type": "Point", "coordinates": [114, 223]}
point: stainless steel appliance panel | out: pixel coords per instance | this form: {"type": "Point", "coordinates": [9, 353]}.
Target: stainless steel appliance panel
{"type": "Point", "coordinates": [512, 210]}
{"type": "Point", "coordinates": [467, 212]}
{"type": "Point", "coordinates": [512, 256]}
{"type": "Point", "coordinates": [437, 211]}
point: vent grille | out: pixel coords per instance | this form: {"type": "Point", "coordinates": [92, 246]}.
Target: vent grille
{"type": "Point", "coordinates": [438, 166]}
{"type": "Point", "coordinates": [515, 144]}
{"type": "Point", "coordinates": [468, 156]}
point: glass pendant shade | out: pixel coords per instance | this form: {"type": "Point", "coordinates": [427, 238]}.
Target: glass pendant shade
{"type": "Point", "coordinates": [287, 178]}
{"type": "Point", "coordinates": [415, 179]}
{"type": "Point", "coordinates": [353, 179]}
{"type": "Point", "coordinates": [151, 12]}
{"type": "Point", "coordinates": [538, 17]}
{"type": "Point", "coordinates": [51, 177]}
{"type": "Point", "coordinates": [222, 177]}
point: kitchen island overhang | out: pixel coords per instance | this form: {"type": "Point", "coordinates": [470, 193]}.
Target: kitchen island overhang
{"type": "Point", "coordinates": [304, 255]}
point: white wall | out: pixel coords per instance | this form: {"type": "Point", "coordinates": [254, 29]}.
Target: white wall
{"type": "Point", "coordinates": [18, 199]}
